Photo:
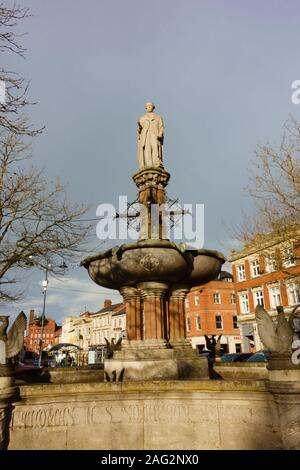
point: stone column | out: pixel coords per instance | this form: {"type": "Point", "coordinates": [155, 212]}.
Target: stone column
{"type": "Point", "coordinates": [154, 309]}
{"type": "Point", "coordinates": [151, 183]}
{"type": "Point", "coordinates": [132, 300]}
{"type": "Point", "coordinates": [176, 314]}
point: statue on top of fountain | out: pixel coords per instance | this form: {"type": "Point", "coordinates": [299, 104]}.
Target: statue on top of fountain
{"type": "Point", "coordinates": [150, 139]}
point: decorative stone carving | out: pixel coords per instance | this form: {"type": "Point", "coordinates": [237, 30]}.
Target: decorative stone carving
{"type": "Point", "coordinates": [150, 262]}
{"type": "Point", "coordinates": [151, 177]}
{"type": "Point", "coordinates": [11, 343]}
{"type": "Point", "coordinates": [114, 375]}
{"type": "Point", "coordinates": [111, 346]}
{"type": "Point", "coordinates": [276, 338]}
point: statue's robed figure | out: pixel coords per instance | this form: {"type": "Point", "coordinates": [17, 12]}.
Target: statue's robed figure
{"type": "Point", "coordinates": [150, 138]}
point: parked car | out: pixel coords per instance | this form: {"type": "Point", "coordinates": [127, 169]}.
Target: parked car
{"type": "Point", "coordinates": [21, 367]}
{"type": "Point", "coordinates": [235, 357]}
{"type": "Point", "coordinates": [260, 356]}
{"type": "Point", "coordinates": [204, 353]}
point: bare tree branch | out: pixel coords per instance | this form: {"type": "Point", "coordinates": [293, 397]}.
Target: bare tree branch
{"type": "Point", "coordinates": [36, 218]}
{"type": "Point", "coordinates": [12, 110]}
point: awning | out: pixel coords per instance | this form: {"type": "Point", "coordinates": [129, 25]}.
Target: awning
{"type": "Point", "coordinates": [64, 347]}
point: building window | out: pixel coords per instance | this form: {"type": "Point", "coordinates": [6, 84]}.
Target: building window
{"type": "Point", "coordinates": [259, 298]}
{"type": "Point", "coordinates": [232, 298]}
{"type": "Point", "coordinates": [234, 321]}
{"type": "Point", "coordinates": [289, 258]}
{"type": "Point", "coordinates": [293, 294]}
{"type": "Point", "coordinates": [219, 322]}
{"type": "Point", "coordinates": [244, 303]}
{"type": "Point", "coordinates": [187, 302]}
{"type": "Point", "coordinates": [198, 323]}
{"type": "Point", "coordinates": [120, 322]}
{"type": "Point", "coordinates": [217, 298]}
{"type": "Point", "coordinates": [196, 300]}
{"type": "Point", "coordinates": [255, 268]}
{"type": "Point", "coordinates": [241, 272]}
{"type": "Point", "coordinates": [188, 324]}
{"type": "Point", "coordinates": [238, 348]}
{"type": "Point", "coordinates": [275, 297]}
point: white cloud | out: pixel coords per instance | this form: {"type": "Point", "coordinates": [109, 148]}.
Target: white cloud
{"type": "Point", "coordinates": [67, 295]}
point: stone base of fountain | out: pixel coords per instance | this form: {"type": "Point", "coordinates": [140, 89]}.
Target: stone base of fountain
{"type": "Point", "coordinates": [155, 360]}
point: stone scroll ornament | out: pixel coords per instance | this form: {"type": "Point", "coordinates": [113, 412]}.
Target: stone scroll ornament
{"type": "Point", "coordinates": [11, 343]}
{"type": "Point", "coordinates": [277, 338]}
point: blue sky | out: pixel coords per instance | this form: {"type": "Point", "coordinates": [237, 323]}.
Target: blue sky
{"type": "Point", "coordinates": [219, 72]}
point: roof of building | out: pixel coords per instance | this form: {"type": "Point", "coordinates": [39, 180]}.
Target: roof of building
{"type": "Point", "coordinates": [110, 308]}
{"type": "Point", "coordinates": [224, 275]}
{"type": "Point", "coordinates": [266, 241]}
{"type": "Point", "coordinates": [119, 312]}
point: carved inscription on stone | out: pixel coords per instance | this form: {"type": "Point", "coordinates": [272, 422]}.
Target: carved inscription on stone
{"type": "Point", "coordinates": [43, 417]}
{"type": "Point", "coordinates": [78, 415]}
{"type": "Point", "coordinates": [166, 412]}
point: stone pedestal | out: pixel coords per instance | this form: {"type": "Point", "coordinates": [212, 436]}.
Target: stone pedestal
{"type": "Point", "coordinates": [284, 384]}
{"type": "Point", "coordinates": [156, 346]}
{"type": "Point", "coordinates": [155, 360]}
{"type": "Point", "coordinates": [8, 394]}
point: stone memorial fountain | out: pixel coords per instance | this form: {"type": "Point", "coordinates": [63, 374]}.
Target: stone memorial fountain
{"type": "Point", "coordinates": [251, 406]}
{"type": "Point", "coordinates": [154, 276]}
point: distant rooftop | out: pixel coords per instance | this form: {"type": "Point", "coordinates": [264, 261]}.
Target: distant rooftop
{"type": "Point", "coordinates": [224, 275]}
{"type": "Point", "coordinates": [109, 308]}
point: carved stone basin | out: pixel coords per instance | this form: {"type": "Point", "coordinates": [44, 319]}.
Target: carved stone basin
{"type": "Point", "coordinates": [152, 260]}
{"type": "Point", "coordinates": [206, 266]}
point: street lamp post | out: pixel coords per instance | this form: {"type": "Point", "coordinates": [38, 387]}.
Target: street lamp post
{"type": "Point", "coordinates": [45, 285]}
{"type": "Point", "coordinates": [47, 268]}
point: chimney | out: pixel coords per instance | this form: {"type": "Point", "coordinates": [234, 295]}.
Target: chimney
{"type": "Point", "coordinates": [107, 303]}
{"type": "Point", "coordinates": [31, 317]}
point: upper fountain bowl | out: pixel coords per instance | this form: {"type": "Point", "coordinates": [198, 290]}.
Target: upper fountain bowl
{"type": "Point", "coordinates": [153, 260]}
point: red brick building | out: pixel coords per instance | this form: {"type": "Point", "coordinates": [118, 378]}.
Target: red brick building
{"type": "Point", "coordinates": [267, 274]}
{"type": "Point", "coordinates": [37, 333]}
{"type": "Point", "coordinates": [211, 310]}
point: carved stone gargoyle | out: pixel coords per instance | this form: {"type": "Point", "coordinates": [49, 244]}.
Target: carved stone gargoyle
{"type": "Point", "coordinates": [276, 338]}
{"type": "Point", "coordinates": [213, 345]}
{"type": "Point", "coordinates": [111, 347]}
{"type": "Point", "coordinates": [11, 343]}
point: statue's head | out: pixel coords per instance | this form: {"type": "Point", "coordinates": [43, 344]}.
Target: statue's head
{"type": "Point", "coordinates": [149, 107]}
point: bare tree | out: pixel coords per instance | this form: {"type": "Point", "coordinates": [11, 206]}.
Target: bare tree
{"type": "Point", "coordinates": [275, 187]}
{"type": "Point", "coordinates": [275, 184]}
{"type": "Point", "coordinates": [12, 109]}
{"type": "Point", "coordinates": [35, 217]}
